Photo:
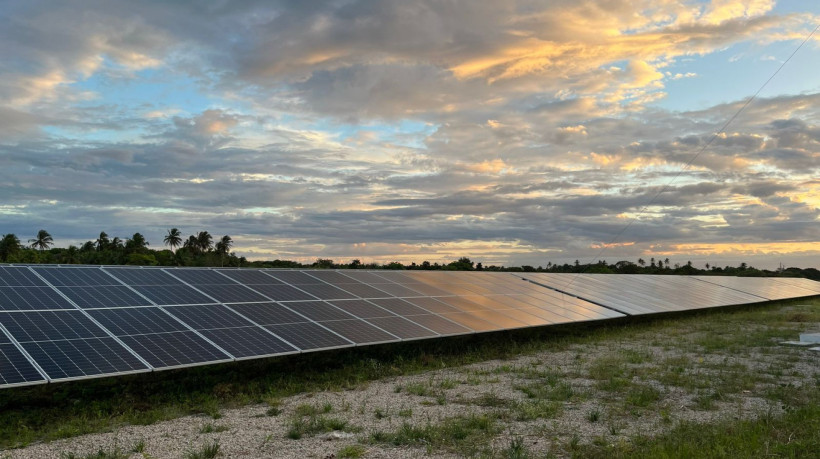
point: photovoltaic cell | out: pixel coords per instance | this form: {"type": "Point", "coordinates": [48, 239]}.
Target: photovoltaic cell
{"type": "Point", "coordinates": [143, 276]}
{"type": "Point", "coordinates": [136, 321]}
{"type": "Point", "coordinates": [75, 277]}
{"type": "Point", "coordinates": [209, 316]}
{"type": "Point", "coordinates": [401, 327]}
{"type": "Point", "coordinates": [77, 358]}
{"type": "Point", "coordinates": [238, 310]}
{"type": "Point", "coordinates": [249, 277]}
{"type": "Point", "coordinates": [28, 298]}
{"type": "Point", "coordinates": [268, 313]}
{"type": "Point", "coordinates": [319, 311]}
{"type": "Point", "coordinates": [109, 296]}
{"type": "Point", "coordinates": [50, 325]}
{"type": "Point", "coordinates": [359, 332]}
{"type": "Point", "coordinates": [440, 325]}
{"type": "Point", "coordinates": [361, 308]}
{"type": "Point", "coordinates": [172, 294]}
{"type": "Point", "coordinates": [174, 349]}
{"type": "Point", "coordinates": [282, 292]}
{"type": "Point", "coordinates": [250, 341]}
{"type": "Point", "coordinates": [13, 276]}
{"type": "Point", "coordinates": [15, 367]}
{"type": "Point", "coordinates": [231, 293]}
{"type": "Point", "coordinates": [309, 336]}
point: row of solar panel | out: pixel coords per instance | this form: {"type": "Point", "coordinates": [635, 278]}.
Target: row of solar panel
{"type": "Point", "coordinates": [63, 323]}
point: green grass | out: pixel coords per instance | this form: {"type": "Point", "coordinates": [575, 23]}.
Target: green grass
{"type": "Point", "coordinates": [111, 453]}
{"type": "Point", "coordinates": [794, 434]}
{"type": "Point", "coordinates": [206, 451]}
{"type": "Point", "coordinates": [465, 435]}
{"type": "Point", "coordinates": [351, 451]}
{"type": "Point", "coordinates": [213, 428]}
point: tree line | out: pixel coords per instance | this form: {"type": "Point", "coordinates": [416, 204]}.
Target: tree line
{"type": "Point", "coordinates": [197, 250]}
{"type": "Point", "coordinates": [200, 250]}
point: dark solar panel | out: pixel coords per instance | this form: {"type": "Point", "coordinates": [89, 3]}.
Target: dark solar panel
{"type": "Point", "coordinates": [231, 293]}
{"type": "Point", "coordinates": [325, 291]}
{"type": "Point", "coordinates": [359, 332]}
{"type": "Point", "coordinates": [282, 292]}
{"type": "Point", "coordinates": [208, 316]}
{"type": "Point", "coordinates": [292, 277]}
{"type": "Point", "coordinates": [109, 296]}
{"type": "Point", "coordinates": [142, 276]}
{"type": "Point", "coordinates": [248, 341]}
{"type": "Point", "coordinates": [15, 367]}
{"type": "Point", "coordinates": [76, 277]}
{"type": "Point", "coordinates": [361, 308]}
{"type": "Point", "coordinates": [200, 276]}
{"type": "Point", "coordinates": [268, 313]}
{"type": "Point", "coordinates": [136, 321]}
{"type": "Point", "coordinates": [249, 277]}
{"type": "Point", "coordinates": [26, 298]}
{"type": "Point", "coordinates": [19, 276]}
{"type": "Point", "coordinates": [229, 313]}
{"type": "Point", "coordinates": [319, 311]}
{"type": "Point", "coordinates": [364, 291]}
{"type": "Point", "coordinates": [174, 349]}
{"type": "Point", "coordinates": [82, 357]}
{"type": "Point", "coordinates": [308, 336]}
{"type": "Point", "coordinates": [50, 325]}
{"type": "Point", "coordinates": [173, 294]}
{"type": "Point", "coordinates": [401, 327]}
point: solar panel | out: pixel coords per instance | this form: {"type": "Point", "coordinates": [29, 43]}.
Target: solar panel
{"type": "Point", "coordinates": [63, 323]}
{"type": "Point", "coordinates": [15, 368]}
{"type": "Point", "coordinates": [12, 276]}
{"type": "Point", "coordinates": [69, 345]}
{"type": "Point", "coordinates": [28, 298]}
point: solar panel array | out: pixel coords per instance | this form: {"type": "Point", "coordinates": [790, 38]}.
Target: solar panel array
{"type": "Point", "coordinates": [62, 323]}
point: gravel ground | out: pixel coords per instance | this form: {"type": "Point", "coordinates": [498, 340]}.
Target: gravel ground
{"type": "Point", "coordinates": [586, 409]}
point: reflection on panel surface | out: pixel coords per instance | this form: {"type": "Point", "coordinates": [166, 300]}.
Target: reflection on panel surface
{"type": "Point", "coordinates": [69, 322]}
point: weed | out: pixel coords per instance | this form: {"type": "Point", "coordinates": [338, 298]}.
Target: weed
{"type": "Point", "coordinates": [114, 453]}
{"type": "Point", "coordinates": [139, 446]}
{"type": "Point", "coordinates": [406, 413]}
{"type": "Point", "coordinates": [206, 451]}
{"type": "Point", "coordinates": [213, 428]}
{"type": "Point", "coordinates": [516, 449]}
{"type": "Point", "coordinates": [380, 413]}
{"type": "Point", "coordinates": [351, 451]}
{"type": "Point", "coordinates": [594, 415]}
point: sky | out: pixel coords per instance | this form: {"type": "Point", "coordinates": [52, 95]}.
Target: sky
{"type": "Point", "coordinates": [514, 133]}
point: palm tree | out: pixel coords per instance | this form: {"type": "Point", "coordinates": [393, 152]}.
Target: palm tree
{"type": "Point", "coordinates": [173, 239]}
{"type": "Point", "coordinates": [136, 243]}
{"type": "Point", "coordinates": [9, 245]}
{"type": "Point", "coordinates": [191, 244]}
{"type": "Point", "coordinates": [102, 241]}
{"type": "Point", "coordinates": [204, 241]}
{"type": "Point", "coordinates": [223, 246]}
{"type": "Point", "coordinates": [42, 241]}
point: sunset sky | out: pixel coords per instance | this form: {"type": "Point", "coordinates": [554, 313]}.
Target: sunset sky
{"type": "Point", "coordinates": [512, 132]}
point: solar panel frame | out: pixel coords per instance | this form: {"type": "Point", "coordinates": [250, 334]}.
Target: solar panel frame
{"type": "Point", "coordinates": [347, 308]}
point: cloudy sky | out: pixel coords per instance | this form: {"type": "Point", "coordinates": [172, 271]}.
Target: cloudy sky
{"type": "Point", "coordinates": [514, 132]}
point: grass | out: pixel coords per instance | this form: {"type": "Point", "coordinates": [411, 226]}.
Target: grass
{"type": "Point", "coordinates": [628, 376]}
{"type": "Point", "coordinates": [111, 453]}
{"type": "Point", "coordinates": [213, 428]}
{"type": "Point", "coordinates": [351, 451]}
{"type": "Point", "coordinates": [464, 434]}
{"type": "Point", "coordinates": [206, 451]}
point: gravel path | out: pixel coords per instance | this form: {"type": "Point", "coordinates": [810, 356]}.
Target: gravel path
{"type": "Point", "coordinates": [584, 406]}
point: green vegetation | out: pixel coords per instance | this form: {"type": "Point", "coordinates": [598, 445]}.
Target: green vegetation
{"type": "Point", "coordinates": [111, 453]}
{"type": "Point", "coordinates": [464, 434]}
{"type": "Point", "coordinates": [206, 451]}
{"type": "Point", "coordinates": [201, 250]}
{"type": "Point", "coordinates": [352, 451]}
